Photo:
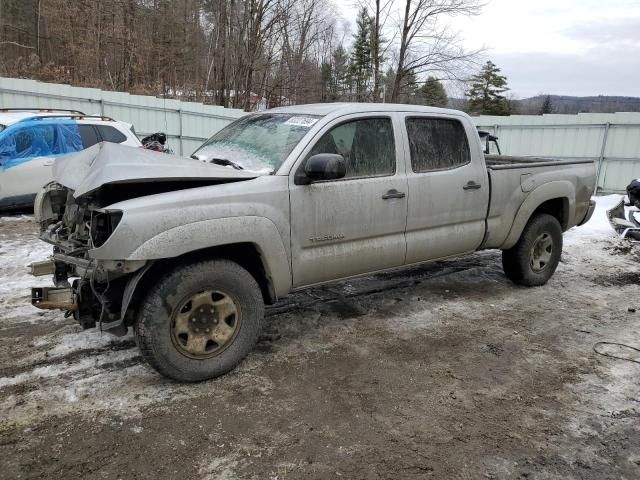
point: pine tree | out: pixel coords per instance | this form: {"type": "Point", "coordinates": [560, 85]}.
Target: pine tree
{"type": "Point", "coordinates": [340, 78]}
{"type": "Point", "coordinates": [486, 92]}
{"type": "Point", "coordinates": [433, 94]}
{"type": "Point", "coordinates": [547, 105]}
{"type": "Point", "coordinates": [361, 55]}
{"type": "Point", "coordinates": [409, 87]}
{"type": "Point", "coordinates": [327, 92]}
{"type": "Point", "coordinates": [410, 90]}
{"type": "Point", "coordinates": [387, 81]}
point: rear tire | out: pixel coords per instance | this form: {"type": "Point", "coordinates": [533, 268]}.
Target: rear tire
{"type": "Point", "coordinates": [533, 260]}
{"type": "Point", "coordinates": [200, 321]}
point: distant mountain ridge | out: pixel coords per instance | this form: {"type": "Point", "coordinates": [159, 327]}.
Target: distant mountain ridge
{"type": "Point", "coordinates": [568, 104]}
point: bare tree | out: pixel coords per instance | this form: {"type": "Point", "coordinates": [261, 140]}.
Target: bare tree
{"type": "Point", "coordinates": [426, 45]}
{"type": "Point", "coordinates": [241, 53]}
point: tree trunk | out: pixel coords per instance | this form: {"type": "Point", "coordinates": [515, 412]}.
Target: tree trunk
{"type": "Point", "coordinates": [376, 54]}
{"type": "Point", "coordinates": [400, 73]}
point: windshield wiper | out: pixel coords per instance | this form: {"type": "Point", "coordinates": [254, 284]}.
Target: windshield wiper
{"type": "Point", "coordinates": [226, 163]}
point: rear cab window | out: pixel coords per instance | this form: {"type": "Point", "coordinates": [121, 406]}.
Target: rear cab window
{"type": "Point", "coordinates": [437, 144]}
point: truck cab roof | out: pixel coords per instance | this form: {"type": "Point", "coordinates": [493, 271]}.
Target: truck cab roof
{"type": "Point", "coordinates": [338, 109]}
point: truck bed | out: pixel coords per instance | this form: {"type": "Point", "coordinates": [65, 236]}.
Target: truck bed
{"type": "Point", "coordinates": [513, 179]}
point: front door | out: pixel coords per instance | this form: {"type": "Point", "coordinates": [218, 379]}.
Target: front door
{"type": "Point", "coordinates": [448, 189]}
{"type": "Point", "coordinates": [356, 224]}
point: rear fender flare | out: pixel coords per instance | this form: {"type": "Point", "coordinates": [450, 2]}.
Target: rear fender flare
{"type": "Point", "coordinates": [549, 191]}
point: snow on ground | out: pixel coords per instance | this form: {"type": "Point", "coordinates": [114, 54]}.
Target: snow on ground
{"type": "Point", "coordinates": [598, 227]}
{"type": "Point", "coordinates": [16, 218]}
{"type": "Point", "coordinates": [16, 253]}
{"type": "Point", "coordinates": [105, 365]}
{"type": "Point", "coordinates": [432, 354]}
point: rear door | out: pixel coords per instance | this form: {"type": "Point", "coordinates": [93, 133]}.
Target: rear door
{"type": "Point", "coordinates": [356, 224]}
{"type": "Point", "coordinates": [448, 188]}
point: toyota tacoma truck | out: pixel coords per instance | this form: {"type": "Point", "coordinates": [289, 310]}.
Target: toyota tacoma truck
{"type": "Point", "coordinates": [187, 252]}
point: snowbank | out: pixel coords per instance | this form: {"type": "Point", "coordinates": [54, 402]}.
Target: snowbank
{"type": "Point", "coordinates": [598, 227]}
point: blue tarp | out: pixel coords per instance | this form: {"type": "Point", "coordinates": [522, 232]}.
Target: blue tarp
{"type": "Point", "coordinates": [26, 140]}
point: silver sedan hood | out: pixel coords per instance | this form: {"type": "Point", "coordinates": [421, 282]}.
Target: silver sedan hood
{"type": "Point", "coordinates": [110, 163]}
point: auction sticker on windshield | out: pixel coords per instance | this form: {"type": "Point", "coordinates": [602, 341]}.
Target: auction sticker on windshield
{"type": "Point", "coordinates": [301, 121]}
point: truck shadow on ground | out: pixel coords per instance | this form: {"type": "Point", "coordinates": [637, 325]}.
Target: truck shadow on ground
{"type": "Point", "coordinates": [389, 293]}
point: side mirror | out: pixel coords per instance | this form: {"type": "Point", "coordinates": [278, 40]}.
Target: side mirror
{"type": "Point", "coordinates": [323, 166]}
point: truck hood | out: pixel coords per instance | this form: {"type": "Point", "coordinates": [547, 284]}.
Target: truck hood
{"type": "Point", "coordinates": [110, 163]}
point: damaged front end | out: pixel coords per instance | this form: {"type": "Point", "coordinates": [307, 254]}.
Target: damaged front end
{"type": "Point", "coordinates": [74, 214]}
{"type": "Point", "coordinates": [90, 290]}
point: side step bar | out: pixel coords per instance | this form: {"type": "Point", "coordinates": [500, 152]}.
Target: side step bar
{"type": "Point", "coordinates": [52, 298]}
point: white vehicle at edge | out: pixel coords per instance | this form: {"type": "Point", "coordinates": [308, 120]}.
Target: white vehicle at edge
{"type": "Point", "coordinates": [31, 140]}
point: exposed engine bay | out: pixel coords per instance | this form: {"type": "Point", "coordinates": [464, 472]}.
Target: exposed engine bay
{"type": "Point", "coordinates": [89, 290]}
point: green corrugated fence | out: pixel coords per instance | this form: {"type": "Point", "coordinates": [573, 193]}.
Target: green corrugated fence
{"type": "Point", "coordinates": [187, 124]}
{"type": "Point", "coordinates": [612, 140]}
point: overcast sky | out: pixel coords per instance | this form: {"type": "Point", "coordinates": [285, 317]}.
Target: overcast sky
{"type": "Point", "coordinates": [563, 47]}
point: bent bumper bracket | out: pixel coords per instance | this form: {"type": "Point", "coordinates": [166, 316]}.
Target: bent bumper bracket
{"type": "Point", "coordinates": [51, 298]}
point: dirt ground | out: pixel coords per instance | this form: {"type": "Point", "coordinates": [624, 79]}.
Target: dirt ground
{"type": "Point", "coordinates": [445, 371]}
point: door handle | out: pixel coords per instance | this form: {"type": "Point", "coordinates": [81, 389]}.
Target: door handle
{"type": "Point", "coordinates": [471, 185]}
{"type": "Point", "coordinates": [393, 193]}
{"type": "Point", "coordinates": [48, 163]}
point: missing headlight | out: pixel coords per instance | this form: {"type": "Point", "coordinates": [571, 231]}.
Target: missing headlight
{"type": "Point", "coordinates": [102, 226]}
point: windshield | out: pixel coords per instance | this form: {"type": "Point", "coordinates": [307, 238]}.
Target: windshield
{"type": "Point", "coordinates": [258, 142]}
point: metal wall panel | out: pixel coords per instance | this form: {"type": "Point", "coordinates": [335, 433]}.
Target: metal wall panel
{"type": "Point", "coordinates": [187, 124]}
{"type": "Point", "coordinates": [612, 140]}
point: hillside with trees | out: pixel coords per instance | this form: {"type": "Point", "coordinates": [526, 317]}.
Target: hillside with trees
{"type": "Point", "coordinates": [255, 54]}
{"type": "Point", "coordinates": [572, 105]}
{"type": "Point", "coordinates": [241, 53]}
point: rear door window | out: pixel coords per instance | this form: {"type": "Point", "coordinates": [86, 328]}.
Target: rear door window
{"type": "Point", "coordinates": [437, 144]}
{"type": "Point", "coordinates": [110, 134]}
{"type": "Point", "coordinates": [89, 135]}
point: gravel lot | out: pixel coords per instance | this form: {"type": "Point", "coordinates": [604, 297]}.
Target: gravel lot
{"type": "Point", "coordinates": [444, 371]}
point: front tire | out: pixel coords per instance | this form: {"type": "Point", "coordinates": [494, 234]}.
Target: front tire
{"type": "Point", "coordinates": [200, 321]}
{"type": "Point", "coordinates": [533, 260]}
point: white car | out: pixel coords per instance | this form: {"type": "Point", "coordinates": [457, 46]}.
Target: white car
{"type": "Point", "coordinates": [32, 139]}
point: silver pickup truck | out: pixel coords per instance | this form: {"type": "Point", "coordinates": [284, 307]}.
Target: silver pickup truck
{"type": "Point", "coordinates": [188, 252]}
